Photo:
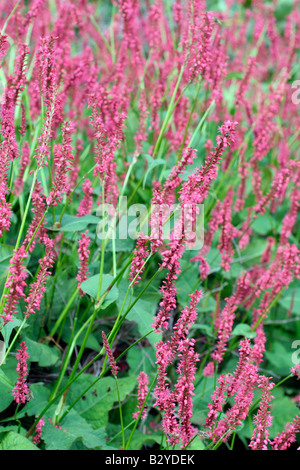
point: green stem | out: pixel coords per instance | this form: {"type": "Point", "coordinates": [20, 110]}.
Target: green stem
{"type": "Point", "coordinates": [9, 17]}
{"type": "Point", "coordinates": [140, 413]}
{"type": "Point", "coordinates": [121, 414]}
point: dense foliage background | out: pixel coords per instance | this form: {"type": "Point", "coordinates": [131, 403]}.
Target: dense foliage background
{"type": "Point", "coordinates": [164, 102]}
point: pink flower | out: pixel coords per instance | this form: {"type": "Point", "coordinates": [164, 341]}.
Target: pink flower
{"type": "Point", "coordinates": [296, 371]}
{"type": "Point", "coordinates": [83, 253]}
{"type": "Point", "coordinates": [15, 283]}
{"type": "Point", "coordinates": [171, 261]}
{"type": "Point", "coordinates": [113, 364]}
{"type": "Point", "coordinates": [38, 288]}
{"type": "Point", "coordinates": [86, 203]}
{"type": "Point", "coordinates": [263, 420]}
{"type": "Point", "coordinates": [36, 230]}
{"type": "Point", "coordinates": [142, 394]}
{"type": "Point", "coordinates": [196, 188]}
{"type": "Point", "coordinates": [284, 440]}
{"type": "Point", "coordinates": [228, 232]}
{"type": "Point", "coordinates": [38, 431]}
{"type": "Point", "coordinates": [209, 370]}
{"type": "Point", "coordinates": [46, 81]}
{"type": "Point", "coordinates": [184, 389]}
{"type": "Point", "coordinates": [21, 389]}
{"type": "Point", "coordinates": [141, 253]}
{"type": "Point", "coordinates": [63, 159]}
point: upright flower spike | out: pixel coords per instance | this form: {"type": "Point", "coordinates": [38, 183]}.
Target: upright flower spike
{"type": "Point", "coordinates": [4, 44]}
{"type": "Point", "coordinates": [5, 206]}
{"type": "Point", "coordinates": [263, 419]}
{"type": "Point", "coordinates": [113, 364]}
{"type": "Point", "coordinates": [196, 188]}
{"type": "Point", "coordinates": [21, 389]}
{"type": "Point", "coordinates": [284, 439]}
{"type": "Point", "coordinates": [184, 389]}
{"type": "Point", "coordinates": [83, 253]}
{"type": "Point", "coordinates": [38, 431]}
{"type": "Point", "coordinates": [46, 82]}
{"type": "Point", "coordinates": [228, 232]}
{"type": "Point", "coordinates": [86, 203]}
{"type": "Point", "coordinates": [141, 253]}
{"type": "Point", "coordinates": [142, 394]}
{"type": "Point", "coordinates": [36, 230]}
{"type": "Point", "coordinates": [63, 159]}
{"type": "Point", "coordinates": [15, 283]}
{"type": "Point", "coordinates": [38, 288]}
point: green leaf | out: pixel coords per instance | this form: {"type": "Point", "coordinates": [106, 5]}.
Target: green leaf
{"type": "Point", "coordinates": [142, 313]}
{"type": "Point", "coordinates": [6, 387]}
{"type": "Point", "coordinates": [283, 8]}
{"type": "Point", "coordinates": [263, 224]}
{"type": "Point", "coordinates": [7, 329]}
{"type": "Point", "coordinates": [206, 329]}
{"type": "Point", "coordinates": [14, 441]}
{"type": "Point", "coordinates": [283, 411]}
{"type": "Point", "coordinates": [74, 428]}
{"type": "Point", "coordinates": [291, 300]}
{"type": "Point", "coordinates": [141, 358]}
{"type": "Point", "coordinates": [96, 404]}
{"type": "Point", "coordinates": [280, 359]}
{"type": "Point", "coordinates": [140, 439]}
{"type": "Point", "coordinates": [71, 223]}
{"type": "Point", "coordinates": [242, 329]}
{"type": "Point", "coordinates": [152, 164]}
{"type": "Point", "coordinates": [43, 354]}
{"type": "Point", "coordinates": [186, 281]}
{"type": "Point", "coordinates": [90, 287]}
{"type": "Point", "coordinates": [6, 252]}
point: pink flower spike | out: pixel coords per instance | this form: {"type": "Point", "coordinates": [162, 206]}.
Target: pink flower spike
{"type": "Point", "coordinates": [113, 364]}
{"type": "Point", "coordinates": [15, 283]}
{"type": "Point", "coordinates": [142, 394]}
{"type": "Point", "coordinates": [83, 253]}
{"type": "Point", "coordinates": [21, 389]}
{"type": "Point", "coordinates": [141, 253]}
{"type": "Point", "coordinates": [38, 431]}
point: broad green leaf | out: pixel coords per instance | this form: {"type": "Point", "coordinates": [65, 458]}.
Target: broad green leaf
{"type": "Point", "coordinates": [7, 329]}
{"type": "Point", "coordinates": [291, 300]}
{"type": "Point", "coordinates": [280, 358]}
{"type": "Point", "coordinates": [139, 440]}
{"type": "Point", "coordinates": [71, 223]}
{"type": "Point", "coordinates": [263, 224]}
{"type": "Point", "coordinates": [283, 411]}
{"type": "Point", "coordinates": [242, 329]}
{"type": "Point", "coordinates": [74, 428]}
{"type": "Point", "coordinates": [6, 386]}
{"type": "Point", "coordinates": [141, 358]}
{"type": "Point", "coordinates": [96, 404]}
{"type": "Point", "coordinates": [43, 354]}
{"type": "Point", "coordinates": [90, 287]}
{"type": "Point", "coordinates": [14, 441]}
{"type": "Point", "coordinates": [143, 314]}
{"type": "Point", "coordinates": [206, 329]}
